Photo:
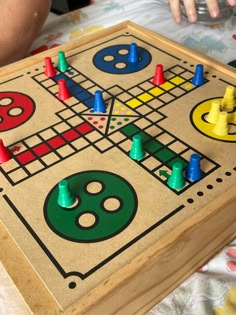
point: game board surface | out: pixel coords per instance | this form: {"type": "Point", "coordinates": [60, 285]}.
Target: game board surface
{"type": "Point", "coordinates": [123, 206]}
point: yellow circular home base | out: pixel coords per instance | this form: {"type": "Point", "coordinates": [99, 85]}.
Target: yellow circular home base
{"type": "Point", "coordinates": [198, 118]}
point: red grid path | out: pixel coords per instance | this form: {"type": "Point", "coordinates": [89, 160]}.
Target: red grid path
{"type": "Point", "coordinates": [53, 143]}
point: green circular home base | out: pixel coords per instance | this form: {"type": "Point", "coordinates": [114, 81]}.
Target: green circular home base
{"type": "Point", "coordinates": [106, 204]}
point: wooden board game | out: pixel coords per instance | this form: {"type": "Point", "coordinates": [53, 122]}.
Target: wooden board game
{"type": "Point", "coordinates": [129, 237]}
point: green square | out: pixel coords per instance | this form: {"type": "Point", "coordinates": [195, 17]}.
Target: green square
{"type": "Point", "coordinates": [152, 146]}
{"type": "Point", "coordinates": [144, 136]}
{"type": "Point", "coordinates": [164, 155]}
{"type": "Point", "coordinates": [130, 130]}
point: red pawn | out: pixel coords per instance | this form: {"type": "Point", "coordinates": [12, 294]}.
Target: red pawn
{"type": "Point", "coordinates": [5, 154]}
{"type": "Point", "coordinates": [49, 69]}
{"type": "Point", "coordinates": [159, 75]}
{"type": "Point", "coordinates": [63, 93]}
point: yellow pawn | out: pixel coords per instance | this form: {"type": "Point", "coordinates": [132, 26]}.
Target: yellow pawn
{"type": "Point", "coordinates": [234, 117]}
{"type": "Point", "coordinates": [227, 103]}
{"type": "Point", "coordinates": [221, 127]}
{"type": "Point", "coordinates": [213, 115]}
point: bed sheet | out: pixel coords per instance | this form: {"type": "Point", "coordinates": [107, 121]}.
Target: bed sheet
{"type": "Point", "coordinates": [218, 41]}
{"type": "Point", "coordinates": [212, 289]}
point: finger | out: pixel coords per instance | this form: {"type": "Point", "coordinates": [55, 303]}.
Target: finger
{"type": "Point", "coordinates": [213, 8]}
{"type": "Point", "coordinates": [190, 10]}
{"type": "Point", "coordinates": [232, 2]}
{"type": "Point", "coordinates": [175, 10]}
{"type": "Point", "coordinates": [231, 251]}
{"type": "Point", "coordinates": [231, 265]}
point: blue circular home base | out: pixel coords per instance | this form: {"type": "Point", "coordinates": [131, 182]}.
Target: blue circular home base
{"type": "Point", "coordinates": [114, 59]}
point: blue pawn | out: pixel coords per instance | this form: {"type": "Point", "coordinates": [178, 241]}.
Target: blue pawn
{"type": "Point", "coordinates": [99, 104]}
{"type": "Point", "coordinates": [133, 53]}
{"type": "Point", "coordinates": [193, 171]}
{"type": "Point", "coordinates": [198, 78]}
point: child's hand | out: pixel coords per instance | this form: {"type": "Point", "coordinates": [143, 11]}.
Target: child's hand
{"type": "Point", "coordinates": [191, 9]}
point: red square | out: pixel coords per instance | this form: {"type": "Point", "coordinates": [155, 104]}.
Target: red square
{"type": "Point", "coordinates": [25, 157]}
{"type": "Point", "coordinates": [56, 142]}
{"type": "Point", "coordinates": [41, 149]}
{"type": "Point", "coordinates": [70, 135]}
{"type": "Point", "coordinates": [84, 128]}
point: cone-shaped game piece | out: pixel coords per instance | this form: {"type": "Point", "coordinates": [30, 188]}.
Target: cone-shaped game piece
{"type": "Point", "coordinates": [221, 126]}
{"type": "Point", "coordinates": [227, 103]}
{"type": "Point", "coordinates": [49, 69]}
{"type": "Point", "coordinates": [176, 179]}
{"type": "Point", "coordinates": [159, 75]}
{"type": "Point", "coordinates": [133, 53]}
{"type": "Point", "coordinates": [193, 171]}
{"type": "Point", "coordinates": [213, 115]}
{"type": "Point", "coordinates": [66, 198]}
{"type": "Point", "coordinates": [63, 92]}
{"type": "Point", "coordinates": [137, 152]}
{"type": "Point", "coordinates": [99, 105]}
{"type": "Point", "coordinates": [62, 63]}
{"type": "Point", "coordinates": [198, 78]}
{"type": "Point", "coordinates": [5, 154]}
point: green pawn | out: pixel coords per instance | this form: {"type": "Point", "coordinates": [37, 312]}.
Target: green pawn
{"type": "Point", "coordinates": [66, 198]}
{"type": "Point", "coordinates": [62, 63]}
{"type": "Point", "coordinates": [137, 152]}
{"type": "Point", "coordinates": [176, 179]}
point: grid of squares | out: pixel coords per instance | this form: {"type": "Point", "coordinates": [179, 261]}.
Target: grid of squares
{"type": "Point", "coordinates": [162, 150]}
{"type": "Point", "coordinates": [81, 88]}
{"type": "Point", "coordinates": [63, 139]}
{"type": "Point", "coordinates": [60, 141]}
{"type": "Point", "coordinates": [177, 84]}
{"type": "Point", "coordinates": [46, 148]}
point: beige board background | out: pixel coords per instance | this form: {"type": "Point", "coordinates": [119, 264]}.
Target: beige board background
{"type": "Point", "coordinates": [29, 196]}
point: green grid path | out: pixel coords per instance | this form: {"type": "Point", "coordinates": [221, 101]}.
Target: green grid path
{"type": "Point", "coordinates": [154, 147]}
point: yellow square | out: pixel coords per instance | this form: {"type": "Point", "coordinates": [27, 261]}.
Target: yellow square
{"type": "Point", "coordinates": [177, 80]}
{"type": "Point", "coordinates": [145, 97]}
{"type": "Point", "coordinates": [133, 103]}
{"type": "Point", "coordinates": [156, 91]}
{"type": "Point", "coordinates": [167, 86]}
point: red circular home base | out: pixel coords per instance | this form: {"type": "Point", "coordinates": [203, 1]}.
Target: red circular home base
{"type": "Point", "coordinates": [15, 109]}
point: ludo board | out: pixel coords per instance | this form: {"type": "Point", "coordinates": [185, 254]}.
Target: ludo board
{"type": "Point", "coordinates": [130, 237]}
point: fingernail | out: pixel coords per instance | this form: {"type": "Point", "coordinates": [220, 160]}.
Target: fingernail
{"type": "Point", "coordinates": [192, 18]}
{"type": "Point", "coordinates": [231, 252]}
{"type": "Point", "coordinates": [177, 20]}
{"type": "Point", "coordinates": [214, 13]}
{"type": "Point", "coordinates": [231, 265]}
